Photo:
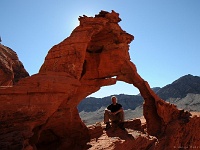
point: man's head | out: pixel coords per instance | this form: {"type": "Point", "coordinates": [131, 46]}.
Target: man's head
{"type": "Point", "coordinates": [114, 99]}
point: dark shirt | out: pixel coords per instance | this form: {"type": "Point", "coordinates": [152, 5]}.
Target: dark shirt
{"type": "Point", "coordinates": [114, 108]}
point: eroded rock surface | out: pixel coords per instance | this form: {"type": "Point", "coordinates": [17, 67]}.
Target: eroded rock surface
{"type": "Point", "coordinates": [116, 139]}
{"type": "Point", "coordinates": [11, 68]}
{"type": "Point", "coordinates": [40, 112]}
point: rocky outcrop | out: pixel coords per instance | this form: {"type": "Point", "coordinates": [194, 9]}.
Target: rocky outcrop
{"type": "Point", "coordinates": [116, 139]}
{"type": "Point", "coordinates": [40, 112]}
{"type": "Point", "coordinates": [177, 136]}
{"type": "Point", "coordinates": [11, 68]}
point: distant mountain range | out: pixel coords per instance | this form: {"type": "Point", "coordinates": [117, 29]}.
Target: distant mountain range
{"type": "Point", "coordinates": [92, 104]}
{"type": "Point", "coordinates": [181, 87]}
{"type": "Point", "coordinates": [177, 89]}
{"type": "Point", "coordinates": [183, 92]}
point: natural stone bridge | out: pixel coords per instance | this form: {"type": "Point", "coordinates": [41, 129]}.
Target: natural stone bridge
{"type": "Point", "coordinates": [40, 111]}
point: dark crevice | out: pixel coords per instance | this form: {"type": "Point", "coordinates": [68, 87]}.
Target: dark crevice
{"type": "Point", "coordinates": [48, 140]}
{"type": "Point", "coordinates": [98, 51]}
{"type": "Point", "coordinates": [34, 139]}
{"type": "Point", "coordinates": [84, 68]}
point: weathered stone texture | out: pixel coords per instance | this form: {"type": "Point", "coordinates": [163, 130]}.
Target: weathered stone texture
{"type": "Point", "coordinates": [40, 112]}
{"type": "Point", "coordinates": [11, 68]}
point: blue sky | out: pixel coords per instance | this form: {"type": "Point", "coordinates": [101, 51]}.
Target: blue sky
{"type": "Point", "coordinates": [167, 34]}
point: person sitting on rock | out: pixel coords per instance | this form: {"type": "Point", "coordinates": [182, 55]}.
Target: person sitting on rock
{"type": "Point", "coordinates": [115, 113]}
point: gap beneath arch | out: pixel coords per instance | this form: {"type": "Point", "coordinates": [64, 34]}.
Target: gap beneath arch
{"type": "Point", "coordinates": [91, 109]}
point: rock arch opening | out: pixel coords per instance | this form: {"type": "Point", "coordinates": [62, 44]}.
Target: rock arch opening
{"type": "Point", "coordinates": [91, 109]}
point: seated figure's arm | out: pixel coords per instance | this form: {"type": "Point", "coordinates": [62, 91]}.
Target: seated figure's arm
{"type": "Point", "coordinates": [120, 110]}
{"type": "Point", "coordinates": [108, 110]}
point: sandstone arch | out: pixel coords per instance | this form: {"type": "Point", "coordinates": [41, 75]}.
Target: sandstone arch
{"type": "Point", "coordinates": [42, 109]}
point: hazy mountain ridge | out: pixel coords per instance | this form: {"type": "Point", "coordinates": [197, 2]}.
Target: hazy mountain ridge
{"type": "Point", "coordinates": [181, 87]}
{"type": "Point", "coordinates": [177, 89]}
{"type": "Point", "coordinates": [92, 104]}
{"type": "Point", "coordinates": [190, 103]}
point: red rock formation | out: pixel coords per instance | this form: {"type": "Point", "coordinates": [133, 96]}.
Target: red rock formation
{"type": "Point", "coordinates": [40, 112]}
{"type": "Point", "coordinates": [117, 139]}
{"type": "Point", "coordinates": [11, 69]}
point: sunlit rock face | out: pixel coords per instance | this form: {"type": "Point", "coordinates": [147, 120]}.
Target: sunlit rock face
{"type": "Point", "coordinates": [11, 68]}
{"type": "Point", "coordinates": [40, 112]}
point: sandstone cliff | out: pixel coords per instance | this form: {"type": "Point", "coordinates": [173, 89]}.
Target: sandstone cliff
{"type": "Point", "coordinates": [11, 68]}
{"type": "Point", "coordinates": [40, 112]}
